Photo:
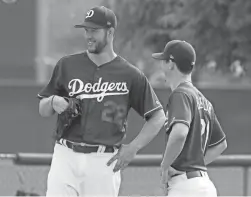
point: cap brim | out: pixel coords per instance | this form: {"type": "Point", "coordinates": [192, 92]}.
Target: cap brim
{"type": "Point", "coordinates": [158, 56]}
{"type": "Point", "coordinates": [89, 25]}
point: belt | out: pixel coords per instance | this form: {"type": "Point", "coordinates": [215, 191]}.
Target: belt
{"type": "Point", "coordinates": [85, 148]}
{"type": "Point", "coordinates": [191, 174]}
{"type": "Point", "coordinates": [194, 174]}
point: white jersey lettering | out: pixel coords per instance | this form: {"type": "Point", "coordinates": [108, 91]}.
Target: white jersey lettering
{"type": "Point", "coordinates": [97, 90]}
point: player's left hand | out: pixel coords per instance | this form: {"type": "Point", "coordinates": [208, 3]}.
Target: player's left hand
{"type": "Point", "coordinates": [124, 156]}
{"type": "Point", "coordinates": [164, 177]}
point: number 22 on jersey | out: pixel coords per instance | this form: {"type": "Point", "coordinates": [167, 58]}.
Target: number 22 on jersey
{"type": "Point", "coordinates": [114, 113]}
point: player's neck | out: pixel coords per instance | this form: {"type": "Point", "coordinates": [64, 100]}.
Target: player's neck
{"type": "Point", "coordinates": [103, 57]}
{"type": "Point", "coordinates": [181, 79]}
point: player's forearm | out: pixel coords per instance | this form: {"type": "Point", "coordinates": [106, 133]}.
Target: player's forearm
{"type": "Point", "coordinates": [174, 147]}
{"type": "Point", "coordinates": [150, 129]}
{"type": "Point", "coordinates": [214, 152]}
{"type": "Point", "coordinates": [45, 107]}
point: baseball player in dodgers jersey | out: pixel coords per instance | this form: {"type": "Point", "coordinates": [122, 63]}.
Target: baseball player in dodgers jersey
{"type": "Point", "coordinates": [88, 158]}
{"type": "Point", "coordinates": [194, 135]}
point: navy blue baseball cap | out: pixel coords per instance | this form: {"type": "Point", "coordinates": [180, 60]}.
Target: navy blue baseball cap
{"type": "Point", "coordinates": [180, 52]}
{"type": "Point", "coordinates": [99, 17]}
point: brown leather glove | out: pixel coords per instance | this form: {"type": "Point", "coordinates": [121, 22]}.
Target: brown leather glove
{"type": "Point", "coordinates": [66, 118]}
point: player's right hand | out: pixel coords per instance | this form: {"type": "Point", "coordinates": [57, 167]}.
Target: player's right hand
{"type": "Point", "coordinates": [59, 104]}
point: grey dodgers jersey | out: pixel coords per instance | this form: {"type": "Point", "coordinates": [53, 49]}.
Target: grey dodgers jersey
{"type": "Point", "coordinates": [107, 92]}
{"type": "Point", "coordinates": [189, 106]}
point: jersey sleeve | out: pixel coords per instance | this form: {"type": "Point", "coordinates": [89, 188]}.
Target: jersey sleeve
{"type": "Point", "coordinates": [217, 133]}
{"type": "Point", "coordinates": [143, 98]}
{"type": "Point", "coordinates": [54, 86]}
{"type": "Point", "coordinates": [179, 110]}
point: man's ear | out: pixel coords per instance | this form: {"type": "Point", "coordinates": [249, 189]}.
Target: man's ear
{"type": "Point", "coordinates": [171, 66]}
{"type": "Point", "coordinates": [111, 31]}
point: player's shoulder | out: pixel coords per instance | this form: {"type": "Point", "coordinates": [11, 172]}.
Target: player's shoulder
{"type": "Point", "coordinates": [74, 56]}
{"type": "Point", "coordinates": [67, 60]}
{"type": "Point", "coordinates": [135, 71]}
{"type": "Point", "coordinates": [127, 64]}
{"type": "Point", "coordinates": [184, 89]}
{"type": "Point", "coordinates": [195, 96]}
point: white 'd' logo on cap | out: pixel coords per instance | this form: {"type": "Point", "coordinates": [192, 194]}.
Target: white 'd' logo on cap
{"type": "Point", "coordinates": [89, 14]}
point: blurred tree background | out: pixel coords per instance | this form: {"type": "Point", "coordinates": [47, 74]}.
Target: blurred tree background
{"type": "Point", "coordinates": [219, 30]}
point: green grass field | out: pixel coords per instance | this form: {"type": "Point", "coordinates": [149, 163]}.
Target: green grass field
{"type": "Point", "coordinates": [135, 180]}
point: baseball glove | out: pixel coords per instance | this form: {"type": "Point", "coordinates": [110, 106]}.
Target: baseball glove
{"type": "Point", "coordinates": [67, 117]}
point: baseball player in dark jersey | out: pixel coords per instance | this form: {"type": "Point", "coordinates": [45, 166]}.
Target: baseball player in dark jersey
{"type": "Point", "coordinates": [194, 135]}
{"type": "Point", "coordinates": [87, 159]}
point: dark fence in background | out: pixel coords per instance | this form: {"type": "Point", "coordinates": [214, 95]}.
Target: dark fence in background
{"type": "Point", "coordinates": [23, 130]}
{"type": "Point", "coordinates": [19, 170]}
